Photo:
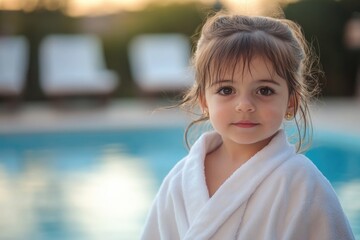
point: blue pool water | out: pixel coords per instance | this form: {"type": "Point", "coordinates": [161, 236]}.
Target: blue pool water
{"type": "Point", "coordinates": [99, 185]}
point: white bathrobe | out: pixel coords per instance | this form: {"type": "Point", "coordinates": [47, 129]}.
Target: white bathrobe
{"type": "Point", "coordinates": [277, 194]}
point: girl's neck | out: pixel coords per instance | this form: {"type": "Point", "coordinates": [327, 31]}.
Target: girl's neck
{"type": "Point", "coordinates": [223, 161]}
{"type": "Point", "coordinates": [240, 153]}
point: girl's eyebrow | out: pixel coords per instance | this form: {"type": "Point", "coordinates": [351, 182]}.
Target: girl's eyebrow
{"type": "Point", "coordinates": [227, 81]}
{"type": "Point", "coordinates": [221, 81]}
{"type": "Point", "coordinates": [269, 81]}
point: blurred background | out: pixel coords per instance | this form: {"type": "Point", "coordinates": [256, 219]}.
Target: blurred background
{"type": "Point", "coordinates": [84, 141]}
{"type": "Point", "coordinates": [326, 23]}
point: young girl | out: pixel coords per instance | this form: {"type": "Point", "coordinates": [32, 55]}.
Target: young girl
{"type": "Point", "coordinates": [244, 180]}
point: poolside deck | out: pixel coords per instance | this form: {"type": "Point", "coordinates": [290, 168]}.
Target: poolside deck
{"type": "Point", "coordinates": [336, 115]}
{"type": "Point", "coordinates": [44, 117]}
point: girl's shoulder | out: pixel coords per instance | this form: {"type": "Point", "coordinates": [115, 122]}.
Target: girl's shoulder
{"type": "Point", "coordinates": [193, 163]}
{"type": "Point", "coordinates": [301, 171]}
{"type": "Point", "coordinates": [301, 163]}
{"type": "Point", "coordinates": [176, 171]}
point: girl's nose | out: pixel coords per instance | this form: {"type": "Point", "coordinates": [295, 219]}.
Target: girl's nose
{"type": "Point", "coordinates": [245, 105]}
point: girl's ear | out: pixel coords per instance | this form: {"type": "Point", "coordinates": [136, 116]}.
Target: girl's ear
{"type": "Point", "coordinates": [292, 107]}
{"type": "Point", "coordinates": [203, 104]}
{"type": "Point", "coordinates": [291, 103]}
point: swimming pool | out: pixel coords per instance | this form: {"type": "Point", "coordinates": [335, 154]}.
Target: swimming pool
{"type": "Point", "coordinates": [100, 184]}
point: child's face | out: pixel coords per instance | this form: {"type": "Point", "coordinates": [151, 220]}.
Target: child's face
{"type": "Point", "coordinates": [248, 107]}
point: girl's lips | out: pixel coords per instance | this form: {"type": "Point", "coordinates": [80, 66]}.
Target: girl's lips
{"type": "Point", "coordinates": [246, 124]}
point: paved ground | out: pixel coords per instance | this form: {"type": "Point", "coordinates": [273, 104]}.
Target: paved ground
{"type": "Point", "coordinates": [335, 115]}
{"type": "Point", "coordinates": [40, 117]}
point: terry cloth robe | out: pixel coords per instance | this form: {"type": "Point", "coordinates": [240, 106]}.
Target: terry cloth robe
{"type": "Point", "coordinates": [277, 195]}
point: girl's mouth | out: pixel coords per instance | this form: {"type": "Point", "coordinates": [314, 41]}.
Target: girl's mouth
{"type": "Point", "coordinates": [246, 124]}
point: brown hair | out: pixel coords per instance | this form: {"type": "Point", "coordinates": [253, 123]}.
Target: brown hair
{"type": "Point", "coordinates": [226, 38]}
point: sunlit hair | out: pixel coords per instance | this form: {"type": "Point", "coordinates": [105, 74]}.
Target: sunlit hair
{"type": "Point", "coordinates": [228, 42]}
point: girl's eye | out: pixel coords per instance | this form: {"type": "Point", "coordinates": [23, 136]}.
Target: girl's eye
{"type": "Point", "coordinates": [224, 91]}
{"type": "Point", "coordinates": [265, 91]}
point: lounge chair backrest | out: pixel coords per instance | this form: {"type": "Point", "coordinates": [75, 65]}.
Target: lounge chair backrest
{"type": "Point", "coordinates": [14, 59]}
{"type": "Point", "coordinates": [160, 61]}
{"type": "Point", "coordinates": [71, 64]}
{"type": "Point", "coordinates": [66, 57]}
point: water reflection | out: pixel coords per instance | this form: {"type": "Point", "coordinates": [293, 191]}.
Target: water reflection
{"type": "Point", "coordinates": [349, 194]}
{"type": "Point", "coordinates": [106, 201]}
{"type": "Point", "coordinates": [99, 185]}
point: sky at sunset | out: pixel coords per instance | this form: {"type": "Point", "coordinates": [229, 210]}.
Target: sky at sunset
{"type": "Point", "coordinates": [99, 7]}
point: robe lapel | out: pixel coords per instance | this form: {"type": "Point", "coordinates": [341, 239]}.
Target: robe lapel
{"type": "Point", "coordinates": [195, 190]}
{"type": "Point", "coordinates": [206, 215]}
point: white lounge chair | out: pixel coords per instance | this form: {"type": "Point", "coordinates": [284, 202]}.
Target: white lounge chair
{"type": "Point", "coordinates": [160, 62]}
{"type": "Point", "coordinates": [14, 59]}
{"type": "Point", "coordinates": [73, 65]}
